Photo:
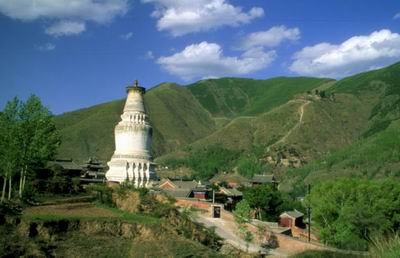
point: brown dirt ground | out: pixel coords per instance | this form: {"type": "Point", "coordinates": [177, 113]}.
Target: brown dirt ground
{"type": "Point", "coordinates": [70, 210]}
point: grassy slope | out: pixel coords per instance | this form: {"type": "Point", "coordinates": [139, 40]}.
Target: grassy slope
{"type": "Point", "coordinates": [230, 97]}
{"type": "Point", "coordinates": [372, 157]}
{"type": "Point", "coordinates": [326, 126]}
{"type": "Point", "coordinates": [88, 132]}
{"type": "Point", "coordinates": [179, 115]}
{"type": "Point", "coordinates": [377, 153]}
{"type": "Point", "coordinates": [176, 116]}
{"type": "Point", "coordinates": [384, 83]}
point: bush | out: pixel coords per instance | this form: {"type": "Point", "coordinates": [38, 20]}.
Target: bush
{"type": "Point", "coordinates": [102, 192]}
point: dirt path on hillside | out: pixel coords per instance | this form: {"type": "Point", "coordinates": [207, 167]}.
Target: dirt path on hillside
{"type": "Point", "coordinates": [297, 125]}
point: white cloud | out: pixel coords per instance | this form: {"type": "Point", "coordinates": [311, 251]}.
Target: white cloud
{"type": "Point", "coordinates": [149, 55]}
{"type": "Point", "coordinates": [358, 53]}
{"type": "Point", "coordinates": [65, 28]}
{"type": "Point", "coordinates": [269, 38]}
{"type": "Point", "coordinates": [181, 17]}
{"type": "Point", "coordinates": [396, 16]}
{"type": "Point", "coordinates": [63, 11]}
{"type": "Point", "coordinates": [206, 60]}
{"type": "Point", "coordinates": [46, 47]}
{"type": "Point", "coordinates": [127, 36]}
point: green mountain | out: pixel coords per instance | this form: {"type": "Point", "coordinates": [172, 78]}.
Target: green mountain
{"type": "Point", "coordinates": [283, 124]}
{"type": "Point", "coordinates": [178, 114]}
{"type": "Point", "coordinates": [231, 97]}
{"type": "Point", "coordinates": [376, 153]}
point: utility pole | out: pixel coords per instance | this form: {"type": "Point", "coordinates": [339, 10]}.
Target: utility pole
{"type": "Point", "coordinates": [309, 214]}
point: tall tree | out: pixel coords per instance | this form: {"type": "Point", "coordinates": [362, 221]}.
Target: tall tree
{"type": "Point", "coordinates": [38, 137]}
{"type": "Point", "coordinates": [348, 212]}
{"type": "Point", "coordinates": [264, 199]}
{"type": "Point", "coordinates": [10, 154]}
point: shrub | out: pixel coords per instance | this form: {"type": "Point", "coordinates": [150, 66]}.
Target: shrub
{"type": "Point", "coordinates": [102, 192]}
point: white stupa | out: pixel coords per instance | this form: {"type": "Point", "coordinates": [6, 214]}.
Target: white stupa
{"type": "Point", "coordinates": [132, 158]}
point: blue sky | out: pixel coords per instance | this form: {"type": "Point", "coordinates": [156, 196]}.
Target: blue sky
{"type": "Point", "coordinates": [78, 53]}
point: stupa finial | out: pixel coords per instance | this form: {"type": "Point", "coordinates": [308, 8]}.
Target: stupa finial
{"type": "Point", "coordinates": [136, 87]}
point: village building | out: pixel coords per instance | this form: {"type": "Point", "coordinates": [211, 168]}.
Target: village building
{"type": "Point", "coordinates": [230, 180]}
{"type": "Point", "coordinates": [229, 197]}
{"type": "Point", "coordinates": [185, 189]}
{"type": "Point", "coordinates": [263, 179]}
{"type": "Point", "coordinates": [132, 160]}
{"type": "Point", "coordinates": [93, 168]}
{"type": "Point", "coordinates": [291, 219]}
{"type": "Point", "coordinates": [68, 167]}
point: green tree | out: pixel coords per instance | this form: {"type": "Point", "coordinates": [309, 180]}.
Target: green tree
{"type": "Point", "coordinates": [38, 137]}
{"type": "Point", "coordinates": [348, 212]}
{"type": "Point", "coordinates": [10, 154]}
{"type": "Point", "coordinates": [242, 212]}
{"type": "Point", "coordinates": [265, 199]}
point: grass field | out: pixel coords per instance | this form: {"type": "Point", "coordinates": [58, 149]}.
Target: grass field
{"type": "Point", "coordinates": [83, 211]}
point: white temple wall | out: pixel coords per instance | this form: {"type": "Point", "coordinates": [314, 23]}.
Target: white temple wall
{"type": "Point", "coordinates": [128, 143]}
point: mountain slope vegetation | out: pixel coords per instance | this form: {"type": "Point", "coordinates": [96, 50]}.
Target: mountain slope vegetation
{"type": "Point", "coordinates": [231, 97]}
{"type": "Point", "coordinates": [179, 115]}
{"type": "Point", "coordinates": [280, 123]}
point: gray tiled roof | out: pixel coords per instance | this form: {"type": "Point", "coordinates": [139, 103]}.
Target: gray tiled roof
{"type": "Point", "coordinates": [181, 184]}
{"type": "Point", "coordinates": [180, 193]}
{"type": "Point", "coordinates": [293, 214]}
{"type": "Point", "coordinates": [66, 164]}
{"type": "Point", "coordinates": [263, 179]}
{"type": "Point", "coordinates": [231, 191]}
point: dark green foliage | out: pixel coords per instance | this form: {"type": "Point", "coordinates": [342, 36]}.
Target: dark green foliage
{"type": "Point", "coordinates": [55, 180]}
{"type": "Point", "coordinates": [249, 165]}
{"type": "Point", "coordinates": [206, 162]}
{"type": "Point", "coordinates": [348, 212]}
{"type": "Point", "coordinates": [209, 161]}
{"type": "Point", "coordinates": [269, 202]}
{"type": "Point", "coordinates": [103, 193]}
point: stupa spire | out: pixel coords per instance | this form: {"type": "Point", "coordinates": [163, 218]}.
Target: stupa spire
{"type": "Point", "coordinates": [132, 158]}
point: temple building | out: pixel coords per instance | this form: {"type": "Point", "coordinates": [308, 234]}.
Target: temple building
{"type": "Point", "coordinates": [132, 159]}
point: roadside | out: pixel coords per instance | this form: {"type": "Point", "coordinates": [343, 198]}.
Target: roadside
{"type": "Point", "coordinates": [227, 230]}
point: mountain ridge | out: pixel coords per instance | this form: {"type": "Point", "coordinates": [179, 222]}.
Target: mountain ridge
{"type": "Point", "coordinates": [237, 115]}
